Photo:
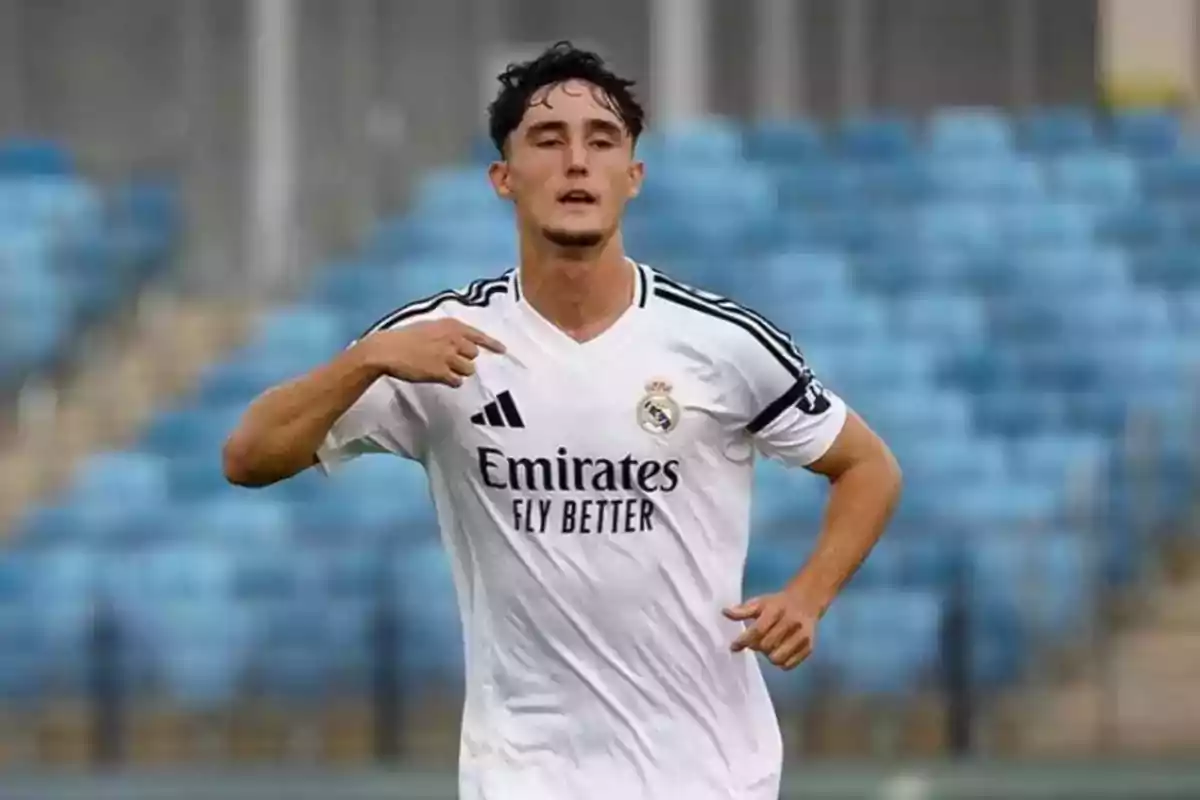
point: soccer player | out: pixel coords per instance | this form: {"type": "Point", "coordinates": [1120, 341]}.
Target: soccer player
{"type": "Point", "coordinates": [589, 427]}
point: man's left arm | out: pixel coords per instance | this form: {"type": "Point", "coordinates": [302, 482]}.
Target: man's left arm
{"type": "Point", "coordinates": [796, 420]}
{"type": "Point", "coordinates": [864, 488]}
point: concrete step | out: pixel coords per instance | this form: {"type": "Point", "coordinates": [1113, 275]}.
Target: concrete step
{"type": "Point", "coordinates": [1156, 655]}
{"type": "Point", "coordinates": [1141, 700]}
{"type": "Point", "coordinates": [1177, 606]}
{"type": "Point", "coordinates": [141, 366]}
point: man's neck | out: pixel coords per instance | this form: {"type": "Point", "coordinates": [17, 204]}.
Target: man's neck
{"type": "Point", "coordinates": [581, 294]}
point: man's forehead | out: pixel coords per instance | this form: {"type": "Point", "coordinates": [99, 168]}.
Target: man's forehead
{"type": "Point", "coordinates": [568, 100]}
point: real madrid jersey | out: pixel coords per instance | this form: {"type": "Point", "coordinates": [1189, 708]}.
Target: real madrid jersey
{"type": "Point", "coordinates": [594, 499]}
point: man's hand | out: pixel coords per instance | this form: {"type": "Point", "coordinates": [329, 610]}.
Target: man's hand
{"type": "Point", "coordinates": [784, 627]}
{"type": "Point", "coordinates": [440, 351]}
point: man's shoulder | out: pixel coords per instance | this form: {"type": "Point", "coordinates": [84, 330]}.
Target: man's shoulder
{"type": "Point", "coordinates": [698, 313]}
{"type": "Point", "coordinates": [463, 302]}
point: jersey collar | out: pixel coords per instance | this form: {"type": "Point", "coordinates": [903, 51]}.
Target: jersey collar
{"type": "Point", "coordinates": [643, 290]}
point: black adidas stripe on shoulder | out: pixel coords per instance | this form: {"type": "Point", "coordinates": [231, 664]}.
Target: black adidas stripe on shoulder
{"type": "Point", "coordinates": [775, 341]}
{"type": "Point", "coordinates": [781, 336]}
{"type": "Point", "coordinates": [477, 293]}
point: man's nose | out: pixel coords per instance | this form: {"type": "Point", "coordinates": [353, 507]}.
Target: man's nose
{"type": "Point", "coordinates": [577, 158]}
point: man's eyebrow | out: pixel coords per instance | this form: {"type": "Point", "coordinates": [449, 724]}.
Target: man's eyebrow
{"type": "Point", "coordinates": [558, 126]}
{"type": "Point", "coordinates": [555, 126]}
{"type": "Point", "coordinates": [606, 125]}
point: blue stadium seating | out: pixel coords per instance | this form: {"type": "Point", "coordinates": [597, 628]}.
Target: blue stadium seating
{"type": "Point", "coordinates": [1056, 131]}
{"type": "Point", "coordinates": [69, 251]}
{"type": "Point", "coordinates": [996, 296]}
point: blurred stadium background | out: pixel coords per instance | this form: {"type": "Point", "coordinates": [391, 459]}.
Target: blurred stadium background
{"type": "Point", "coordinates": [979, 217]}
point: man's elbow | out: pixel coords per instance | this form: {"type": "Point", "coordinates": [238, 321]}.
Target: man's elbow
{"type": "Point", "coordinates": [893, 474]}
{"type": "Point", "coordinates": [236, 464]}
{"type": "Point", "coordinates": [242, 468]}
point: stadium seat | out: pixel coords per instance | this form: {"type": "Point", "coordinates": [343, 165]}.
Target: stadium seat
{"type": "Point", "coordinates": [1149, 132]}
{"type": "Point", "coordinates": [943, 317]}
{"type": "Point", "coordinates": [706, 141]}
{"type": "Point", "coordinates": [931, 414]}
{"type": "Point", "coordinates": [1057, 459]}
{"type": "Point", "coordinates": [298, 332]}
{"type": "Point", "coordinates": [184, 431]}
{"type": "Point", "coordinates": [430, 645]}
{"type": "Point", "coordinates": [1069, 272]}
{"type": "Point", "coordinates": [903, 183]}
{"type": "Point", "coordinates": [1138, 226]}
{"type": "Point", "coordinates": [1040, 579]}
{"type": "Point", "coordinates": [1172, 177]}
{"type": "Point", "coordinates": [453, 193]}
{"type": "Point", "coordinates": [851, 320]}
{"type": "Point", "coordinates": [1046, 224]}
{"type": "Point", "coordinates": [1185, 311]}
{"type": "Point", "coordinates": [63, 603]}
{"type": "Point", "coordinates": [875, 138]}
{"type": "Point", "coordinates": [247, 520]}
{"type": "Point", "coordinates": [781, 142]}
{"type": "Point", "coordinates": [858, 368]}
{"type": "Point", "coordinates": [714, 188]}
{"type": "Point", "coordinates": [1096, 178]}
{"type": "Point", "coordinates": [850, 231]}
{"type": "Point", "coordinates": [489, 240]}
{"type": "Point", "coordinates": [969, 132]}
{"type": "Point", "coordinates": [1014, 504]}
{"type": "Point", "coordinates": [957, 227]}
{"type": "Point", "coordinates": [34, 157]}
{"type": "Point", "coordinates": [1017, 412]}
{"type": "Point", "coordinates": [974, 179]}
{"type": "Point", "coordinates": [812, 275]}
{"type": "Point", "coordinates": [817, 185]}
{"type": "Point", "coordinates": [1116, 312]}
{"type": "Point", "coordinates": [883, 641]}
{"type": "Point", "coordinates": [1051, 132]}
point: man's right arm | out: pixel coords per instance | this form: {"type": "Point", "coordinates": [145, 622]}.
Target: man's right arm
{"type": "Point", "coordinates": [281, 431]}
{"type": "Point", "coordinates": [284, 428]}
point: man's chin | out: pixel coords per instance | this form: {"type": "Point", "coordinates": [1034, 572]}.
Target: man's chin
{"type": "Point", "coordinates": [573, 239]}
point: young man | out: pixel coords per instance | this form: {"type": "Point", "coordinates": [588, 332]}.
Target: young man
{"type": "Point", "coordinates": [588, 427]}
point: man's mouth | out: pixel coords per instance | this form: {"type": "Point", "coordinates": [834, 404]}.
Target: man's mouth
{"type": "Point", "coordinates": [577, 197]}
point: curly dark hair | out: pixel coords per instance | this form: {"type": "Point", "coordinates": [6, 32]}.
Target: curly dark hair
{"type": "Point", "coordinates": [557, 64]}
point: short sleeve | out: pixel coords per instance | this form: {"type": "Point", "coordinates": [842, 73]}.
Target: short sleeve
{"type": "Point", "coordinates": [789, 414]}
{"type": "Point", "coordinates": [385, 419]}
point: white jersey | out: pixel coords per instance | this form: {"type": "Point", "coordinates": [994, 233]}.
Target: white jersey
{"type": "Point", "coordinates": [595, 502]}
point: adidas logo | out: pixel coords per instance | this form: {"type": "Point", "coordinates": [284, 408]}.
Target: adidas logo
{"type": "Point", "coordinates": [500, 413]}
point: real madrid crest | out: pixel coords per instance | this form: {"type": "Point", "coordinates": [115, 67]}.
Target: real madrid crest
{"type": "Point", "coordinates": [657, 411]}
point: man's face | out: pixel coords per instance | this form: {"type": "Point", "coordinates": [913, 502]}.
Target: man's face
{"type": "Point", "coordinates": [569, 168]}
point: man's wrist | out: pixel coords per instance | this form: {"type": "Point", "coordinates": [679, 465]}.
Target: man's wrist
{"type": "Point", "coordinates": [366, 360]}
{"type": "Point", "coordinates": [809, 593]}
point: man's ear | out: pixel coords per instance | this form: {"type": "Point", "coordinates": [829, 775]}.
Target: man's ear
{"type": "Point", "coordinates": [498, 174]}
{"type": "Point", "coordinates": [637, 174]}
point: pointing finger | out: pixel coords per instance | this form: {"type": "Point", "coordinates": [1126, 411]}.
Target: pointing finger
{"type": "Point", "coordinates": [483, 340]}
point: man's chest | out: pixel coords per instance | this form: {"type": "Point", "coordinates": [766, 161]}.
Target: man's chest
{"type": "Point", "coordinates": [650, 404]}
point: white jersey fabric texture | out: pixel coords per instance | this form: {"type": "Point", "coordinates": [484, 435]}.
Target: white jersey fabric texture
{"type": "Point", "coordinates": [594, 500]}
